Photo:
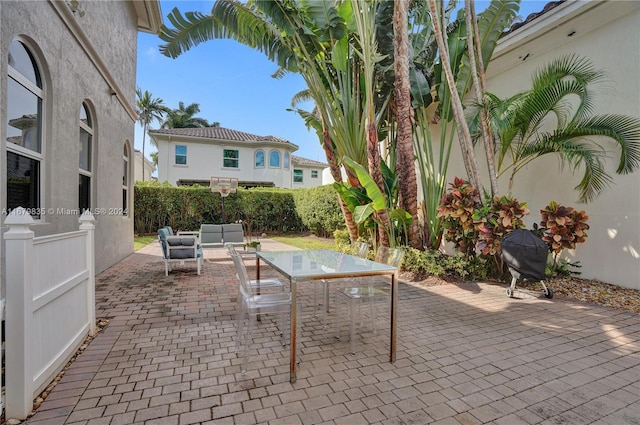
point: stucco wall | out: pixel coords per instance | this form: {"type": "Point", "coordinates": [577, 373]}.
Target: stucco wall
{"type": "Point", "coordinates": [612, 250]}
{"type": "Point", "coordinates": [307, 180]}
{"type": "Point", "coordinates": [71, 78]}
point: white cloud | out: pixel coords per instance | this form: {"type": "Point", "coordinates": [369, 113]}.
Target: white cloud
{"type": "Point", "coordinates": [152, 54]}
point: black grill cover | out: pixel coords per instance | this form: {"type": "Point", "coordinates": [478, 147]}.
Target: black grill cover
{"type": "Point", "coordinates": [525, 254]}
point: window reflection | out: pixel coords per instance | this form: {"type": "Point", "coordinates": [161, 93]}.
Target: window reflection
{"type": "Point", "coordinates": [23, 176]}
{"type": "Point", "coordinates": [23, 116]}
{"type": "Point", "coordinates": [22, 61]}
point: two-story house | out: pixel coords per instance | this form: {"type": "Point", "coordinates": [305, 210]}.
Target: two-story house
{"type": "Point", "coordinates": [189, 156]}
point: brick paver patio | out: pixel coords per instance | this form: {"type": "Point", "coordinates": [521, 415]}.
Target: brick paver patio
{"type": "Point", "coordinates": [466, 355]}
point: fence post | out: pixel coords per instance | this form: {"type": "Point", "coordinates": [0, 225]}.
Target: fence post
{"type": "Point", "coordinates": [19, 315]}
{"type": "Point", "coordinates": [86, 223]}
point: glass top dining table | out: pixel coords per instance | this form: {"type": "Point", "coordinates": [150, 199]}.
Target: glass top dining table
{"type": "Point", "coordinates": [307, 265]}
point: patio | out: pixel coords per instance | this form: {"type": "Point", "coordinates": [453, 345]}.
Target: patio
{"type": "Point", "coordinates": [466, 355]}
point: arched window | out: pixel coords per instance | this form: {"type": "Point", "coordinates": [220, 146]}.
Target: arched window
{"type": "Point", "coordinates": [260, 159]}
{"type": "Point", "coordinates": [85, 160]}
{"type": "Point", "coordinates": [126, 155]}
{"type": "Point", "coordinates": [286, 160]}
{"type": "Point", "coordinates": [25, 96]}
{"type": "Point", "coordinates": [274, 159]}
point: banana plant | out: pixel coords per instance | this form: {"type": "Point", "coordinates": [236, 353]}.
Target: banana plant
{"type": "Point", "coordinates": [364, 202]}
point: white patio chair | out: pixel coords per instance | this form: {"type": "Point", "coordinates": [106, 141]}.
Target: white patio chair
{"type": "Point", "coordinates": [250, 305]}
{"type": "Point", "coordinates": [371, 292]}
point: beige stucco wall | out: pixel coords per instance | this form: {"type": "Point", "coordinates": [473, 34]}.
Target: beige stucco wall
{"type": "Point", "coordinates": [307, 180]}
{"type": "Point", "coordinates": [612, 250]}
{"type": "Point", "coordinates": [71, 78]}
{"type": "Point", "coordinates": [138, 173]}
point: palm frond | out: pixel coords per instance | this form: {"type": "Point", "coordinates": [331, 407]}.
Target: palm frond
{"type": "Point", "coordinates": [578, 152]}
{"type": "Point", "coordinates": [189, 31]}
{"type": "Point", "coordinates": [623, 129]}
{"type": "Point", "coordinates": [301, 96]}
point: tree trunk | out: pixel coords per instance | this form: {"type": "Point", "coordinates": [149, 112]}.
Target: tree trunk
{"type": "Point", "coordinates": [405, 165]}
{"type": "Point", "coordinates": [464, 136]}
{"type": "Point", "coordinates": [373, 157]}
{"type": "Point", "coordinates": [144, 129]}
{"type": "Point", "coordinates": [336, 173]}
{"type": "Point", "coordinates": [477, 69]}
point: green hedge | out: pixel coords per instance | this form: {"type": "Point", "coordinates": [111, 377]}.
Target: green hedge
{"type": "Point", "coordinates": [260, 209]}
{"type": "Point", "coordinates": [319, 209]}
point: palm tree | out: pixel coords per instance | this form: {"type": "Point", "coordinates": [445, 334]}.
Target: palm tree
{"type": "Point", "coordinates": [476, 65]}
{"type": "Point", "coordinates": [149, 109]}
{"type": "Point", "coordinates": [183, 117]}
{"type": "Point", "coordinates": [543, 121]}
{"type": "Point", "coordinates": [464, 135]}
{"type": "Point", "coordinates": [405, 165]}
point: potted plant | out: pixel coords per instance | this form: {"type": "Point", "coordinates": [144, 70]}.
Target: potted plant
{"type": "Point", "coordinates": [252, 246]}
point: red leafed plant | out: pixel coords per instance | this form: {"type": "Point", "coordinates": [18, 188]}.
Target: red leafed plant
{"type": "Point", "coordinates": [504, 215]}
{"type": "Point", "coordinates": [562, 228]}
{"type": "Point", "coordinates": [457, 207]}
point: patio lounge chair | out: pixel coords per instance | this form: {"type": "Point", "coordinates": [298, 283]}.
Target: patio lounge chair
{"type": "Point", "coordinates": [179, 249]}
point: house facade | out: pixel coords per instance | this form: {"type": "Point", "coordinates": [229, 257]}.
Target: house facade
{"type": "Point", "coordinates": [142, 172]}
{"type": "Point", "coordinates": [193, 155]}
{"type": "Point", "coordinates": [608, 33]}
{"type": "Point", "coordinates": [68, 96]}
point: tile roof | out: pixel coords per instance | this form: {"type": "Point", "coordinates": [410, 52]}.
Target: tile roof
{"type": "Point", "coordinates": [304, 161]}
{"type": "Point", "coordinates": [532, 16]}
{"type": "Point", "coordinates": [219, 133]}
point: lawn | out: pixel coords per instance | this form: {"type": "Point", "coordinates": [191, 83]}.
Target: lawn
{"type": "Point", "coordinates": [141, 241]}
{"type": "Point", "coordinates": [299, 241]}
{"type": "Point", "coordinates": [305, 242]}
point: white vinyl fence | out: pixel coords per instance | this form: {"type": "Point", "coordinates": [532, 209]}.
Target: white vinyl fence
{"type": "Point", "coordinates": [50, 305]}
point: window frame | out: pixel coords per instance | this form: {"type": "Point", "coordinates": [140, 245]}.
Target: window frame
{"type": "Point", "coordinates": [176, 155]}
{"type": "Point", "coordinates": [276, 152]}
{"type": "Point", "coordinates": [255, 159]}
{"type": "Point", "coordinates": [287, 161]}
{"type": "Point", "coordinates": [87, 128]}
{"type": "Point", "coordinates": [236, 159]}
{"type": "Point", "coordinates": [314, 174]}
{"type": "Point", "coordinates": [126, 178]}
{"type": "Point", "coordinates": [295, 175]}
{"type": "Point", "coordinates": [38, 90]}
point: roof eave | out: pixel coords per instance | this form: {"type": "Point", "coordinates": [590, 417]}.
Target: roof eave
{"type": "Point", "coordinates": [149, 16]}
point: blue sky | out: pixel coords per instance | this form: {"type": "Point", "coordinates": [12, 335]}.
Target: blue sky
{"type": "Point", "coordinates": [232, 84]}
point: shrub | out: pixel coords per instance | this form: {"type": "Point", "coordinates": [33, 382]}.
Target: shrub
{"type": "Point", "coordinates": [186, 207]}
{"type": "Point", "coordinates": [477, 230]}
{"type": "Point", "coordinates": [562, 228]}
{"type": "Point", "coordinates": [435, 263]}
{"type": "Point", "coordinates": [319, 210]}
{"type": "Point", "coordinates": [457, 208]}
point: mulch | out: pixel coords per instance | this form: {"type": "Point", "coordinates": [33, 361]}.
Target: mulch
{"type": "Point", "coordinates": [585, 290]}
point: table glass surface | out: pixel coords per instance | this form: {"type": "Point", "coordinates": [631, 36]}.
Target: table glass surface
{"type": "Point", "coordinates": [321, 263]}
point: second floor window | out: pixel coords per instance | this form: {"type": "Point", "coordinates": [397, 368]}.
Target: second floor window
{"type": "Point", "coordinates": [297, 176]}
{"type": "Point", "coordinates": [286, 160]}
{"type": "Point", "coordinates": [274, 159]}
{"type": "Point", "coordinates": [260, 159]}
{"type": "Point", "coordinates": [181, 155]}
{"type": "Point", "coordinates": [230, 158]}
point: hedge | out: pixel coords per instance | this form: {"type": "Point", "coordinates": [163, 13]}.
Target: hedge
{"type": "Point", "coordinates": [260, 209]}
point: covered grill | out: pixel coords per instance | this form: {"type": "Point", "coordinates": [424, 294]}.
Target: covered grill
{"type": "Point", "coordinates": [525, 255]}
